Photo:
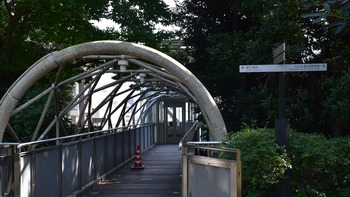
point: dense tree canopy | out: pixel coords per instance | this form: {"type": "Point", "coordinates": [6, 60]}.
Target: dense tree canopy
{"type": "Point", "coordinates": [222, 35]}
{"type": "Point", "coordinates": [42, 25]}
{"type": "Point", "coordinates": [29, 29]}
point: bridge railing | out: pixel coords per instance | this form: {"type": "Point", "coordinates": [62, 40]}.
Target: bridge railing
{"type": "Point", "coordinates": [204, 173]}
{"type": "Point", "coordinates": [70, 167]}
{"type": "Point", "coordinates": [190, 134]}
{"type": "Point", "coordinates": [6, 167]}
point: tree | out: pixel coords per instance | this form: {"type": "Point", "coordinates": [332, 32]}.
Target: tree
{"type": "Point", "coordinates": [25, 27]}
{"type": "Point", "coordinates": [30, 29]}
{"type": "Point", "coordinates": [333, 17]}
{"type": "Point", "coordinates": [26, 34]}
{"type": "Point", "coordinates": [227, 34]}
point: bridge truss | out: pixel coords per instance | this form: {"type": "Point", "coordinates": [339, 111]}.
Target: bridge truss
{"type": "Point", "coordinates": [138, 78]}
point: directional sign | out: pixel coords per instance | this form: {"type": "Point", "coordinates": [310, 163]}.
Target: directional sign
{"type": "Point", "coordinates": [282, 68]}
{"type": "Point", "coordinates": [280, 49]}
{"type": "Point", "coordinates": [279, 54]}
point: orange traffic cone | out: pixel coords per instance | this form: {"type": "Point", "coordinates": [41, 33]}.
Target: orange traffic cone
{"type": "Point", "coordinates": [138, 162]}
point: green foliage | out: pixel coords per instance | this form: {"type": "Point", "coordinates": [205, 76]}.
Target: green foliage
{"type": "Point", "coordinates": [30, 29]}
{"type": "Point", "coordinates": [318, 166]}
{"type": "Point", "coordinates": [261, 115]}
{"type": "Point", "coordinates": [139, 18]}
{"type": "Point", "coordinates": [333, 14]}
{"type": "Point", "coordinates": [301, 113]}
{"type": "Point", "coordinates": [321, 166]}
{"type": "Point", "coordinates": [27, 25]}
{"type": "Point", "coordinates": [338, 101]}
{"type": "Point", "coordinates": [25, 122]}
{"type": "Point", "coordinates": [262, 165]}
{"type": "Point", "coordinates": [32, 25]}
{"type": "Point", "coordinates": [230, 33]}
{"type": "Point", "coordinates": [227, 34]}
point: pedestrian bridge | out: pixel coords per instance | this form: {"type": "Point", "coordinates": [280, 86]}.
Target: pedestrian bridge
{"type": "Point", "coordinates": [97, 102]}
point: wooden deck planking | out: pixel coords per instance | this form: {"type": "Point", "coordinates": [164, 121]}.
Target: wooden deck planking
{"type": "Point", "coordinates": [161, 176]}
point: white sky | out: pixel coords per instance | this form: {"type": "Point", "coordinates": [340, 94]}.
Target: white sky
{"type": "Point", "coordinates": [105, 23]}
{"type": "Point", "coordinates": [171, 3]}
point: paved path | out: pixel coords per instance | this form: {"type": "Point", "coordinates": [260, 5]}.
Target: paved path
{"type": "Point", "coordinates": [161, 176]}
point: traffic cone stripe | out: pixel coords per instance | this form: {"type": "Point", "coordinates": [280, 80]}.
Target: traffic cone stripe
{"type": "Point", "coordinates": [138, 162]}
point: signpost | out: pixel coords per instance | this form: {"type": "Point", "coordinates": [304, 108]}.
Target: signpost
{"type": "Point", "coordinates": [282, 68]}
{"type": "Point", "coordinates": [281, 124]}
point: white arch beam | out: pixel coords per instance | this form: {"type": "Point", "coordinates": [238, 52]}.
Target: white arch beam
{"type": "Point", "coordinates": [215, 122]}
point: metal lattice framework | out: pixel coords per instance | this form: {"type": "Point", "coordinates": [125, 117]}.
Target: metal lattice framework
{"type": "Point", "coordinates": [153, 75]}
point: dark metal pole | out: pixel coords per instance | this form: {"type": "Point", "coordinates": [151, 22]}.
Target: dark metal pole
{"type": "Point", "coordinates": [282, 134]}
{"type": "Point", "coordinates": [282, 95]}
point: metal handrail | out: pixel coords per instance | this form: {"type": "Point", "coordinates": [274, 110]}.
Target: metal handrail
{"type": "Point", "coordinates": [189, 135]}
{"type": "Point", "coordinates": [142, 133]}
{"type": "Point", "coordinates": [231, 150]}
{"type": "Point", "coordinates": [191, 143]}
{"type": "Point", "coordinates": [21, 145]}
{"type": "Point", "coordinates": [78, 135]}
{"type": "Point", "coordinates": [61, 138]}
{"type": "Point", "coordinates": [9, 143]}
{"type": "Point", "coordinates": [199, 145]}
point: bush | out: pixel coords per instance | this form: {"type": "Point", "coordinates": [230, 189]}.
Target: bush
{"type": "Point", "coordinates": [262, 165]}
{"type": "Point", "coordinates": [320, 166]}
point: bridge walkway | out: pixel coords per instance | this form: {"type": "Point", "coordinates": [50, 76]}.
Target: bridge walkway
{"type": "Point", "coordinates": [161, 176]}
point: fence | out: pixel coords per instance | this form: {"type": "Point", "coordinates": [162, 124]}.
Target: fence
{"type": "Point", "coordinates": [205, 175]}
{"type": "Point", "coordinates": [67, 168]}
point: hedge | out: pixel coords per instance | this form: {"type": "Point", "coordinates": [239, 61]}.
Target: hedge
{"type": "Point", "coordinates": [318, 166]}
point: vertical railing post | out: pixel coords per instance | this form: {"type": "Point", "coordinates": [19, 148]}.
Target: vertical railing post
{"type": "Point", "coordinates": [184, 182]}
{"type": "Point", "coordinates": [122, 145]}
{"type": "Point", "coordinates": [152, 133]}
{"type": "Point", "coordinates": [94, 159]}
{"type": "Point", "coordinates": [32, 173]}
{"type": "Point", "coordinates": [130, 154]}
{"type": "Point", "coordinates": [147, 136]}
{"type": "Point", "coordinates": [105, 157]}
{"type": "Point", "coordinates": [16, 172]}
{"type": "Point", "coordinates": [239, 173]}
{"type": "Point", "coordinates": [80, 166]}
{"type": "Point", "coordinates": [2, 177]}
{"type": "Point", "coordinates": [60, 176]}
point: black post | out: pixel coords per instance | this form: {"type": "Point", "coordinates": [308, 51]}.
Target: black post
{"type": "Point", "coordinates": [282, 95]}
{"type": "Point", "coordinates": [282, 134]}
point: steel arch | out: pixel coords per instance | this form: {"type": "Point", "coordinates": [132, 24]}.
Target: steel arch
{"type": "Point", "coordinates": [57, 60]}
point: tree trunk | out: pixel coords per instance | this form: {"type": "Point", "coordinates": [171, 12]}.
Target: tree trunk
{"type": "Point", "coordinates": [6, 50]}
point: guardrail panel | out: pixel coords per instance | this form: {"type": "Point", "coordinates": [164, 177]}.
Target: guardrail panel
{"type": "Point", "coordinates": [126, 147]}
{"type": "Point", "coordinates": [138, 136]}
{"type": "Point", "coordinates": [66, 168]}
{"type": "Point", "coordinates": [142, 135]}
{"type": "Point", "coordinates": [48, 173]}
{"type": "Point", "coordinates": [110, 151]}
{"type": "Point", "coordinates": [26, 175]}
{"type": "Point", "coordinates": [209, 177]}
{"type": "Point", "coordinates": [119, 150]}
{"type": "Point", "coordinates": [6, 175]}
{"type": "Point", "coordinates": [87, 162]}
{"type": "Point", "coordinates": [132, 141]}
{"type": "Point", "coordinates": [100, 156]}
{"type": "Point", "coordinates": [70, 168]}
{"type": "Point", "coordinates": [205, 175]}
